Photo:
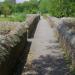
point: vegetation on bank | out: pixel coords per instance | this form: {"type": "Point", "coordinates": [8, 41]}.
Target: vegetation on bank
{"type": "Point", "coordinates": [69, 63]}
{"type": "Point", "coordinates": [14, 17]}
{"type": "Point", "coordinates": [17, 12]}
{"type": "Point", "coordinates": [58, 8]}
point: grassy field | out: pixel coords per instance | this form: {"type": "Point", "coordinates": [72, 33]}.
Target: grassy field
{"type": "Point", "coordinates": [17, 17]}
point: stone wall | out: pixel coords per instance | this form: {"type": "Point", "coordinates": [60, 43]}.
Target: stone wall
{"type": "Point", "coordinates": [31, 25]}
{"type": "Point", "coordinates": [54, 24]}
{"type": "Point", "coordinates": [14, 43]}
{"type": "Point", "coordinates": [66, 30]}
{"type": "Point", "coordinates": [6, 27]}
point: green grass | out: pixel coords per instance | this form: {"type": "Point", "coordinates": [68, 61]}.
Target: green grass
{"type": "Point", "coordinates": [73, 72]}
{"type": "Point", "coordinates": [4, 19]}
{"type": "Point", "coordinates": [16, 17]}
{"type": "Point", "coordinates": [69, 63]}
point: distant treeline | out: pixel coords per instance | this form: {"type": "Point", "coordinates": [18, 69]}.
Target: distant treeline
{"type": "Point", "coordinates": [27, 7]}
{"type": "Point", "coordinates": [58, 8]}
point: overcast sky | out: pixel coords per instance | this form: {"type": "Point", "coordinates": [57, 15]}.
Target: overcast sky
{"type": "Point", "coordinates": [18, 1]}
{"type": "Point", "coordinates": [1, 0]}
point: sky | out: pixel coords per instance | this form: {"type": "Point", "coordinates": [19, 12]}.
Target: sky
{"type": "Point", "coordinates": [18, 1]}
{"type": "Point", "coordinates": [1, 0]}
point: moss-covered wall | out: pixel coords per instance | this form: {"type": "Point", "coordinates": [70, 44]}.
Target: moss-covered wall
{"type": "Point", "coordinates": [14, 43]}
{"type": "Point", "coordinates": [66, 30]}
{"type": "Point", "coordinates": [32, 24]}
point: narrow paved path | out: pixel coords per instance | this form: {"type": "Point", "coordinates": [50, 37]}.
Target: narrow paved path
{"type": "Point", "coordinates": [45, 56]}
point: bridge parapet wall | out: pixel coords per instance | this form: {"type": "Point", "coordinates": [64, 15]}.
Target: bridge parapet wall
{"type": "Point", "coordinates": [66, 31]}
{"type": "Point", "coordinates": [13, 44]}
{"type": "Point", "coordinates": [31, 24]}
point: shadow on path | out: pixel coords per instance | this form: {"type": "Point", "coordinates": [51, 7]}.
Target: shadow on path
{"type": "Point", "coordinates": [48, 65]}
{"type": "Point", "coordinates": [22, 60]}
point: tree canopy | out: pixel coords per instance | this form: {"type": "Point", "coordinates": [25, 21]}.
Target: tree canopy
{"type": "Point", "coordinates": [58, 8]}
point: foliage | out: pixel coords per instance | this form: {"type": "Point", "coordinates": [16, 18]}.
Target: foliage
{"type": "Point", "coordinates": [58, 8]}
{"type": "Point", "coordinates": [27, 7]}
{"type": "Point", "coordinates": [14, 17]}
{"type": "Point", "coordinates": [5, 9]}
{"type": "Point", "coordinates": [18, 17]}
{"type": "Point", "coordinates": [73, 72]}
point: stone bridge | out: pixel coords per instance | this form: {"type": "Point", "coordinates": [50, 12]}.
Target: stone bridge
{"type": "Point", "coordinates": [37, 46]}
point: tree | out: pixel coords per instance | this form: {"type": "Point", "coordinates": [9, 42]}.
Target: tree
{"type": "Point", "coordinates": [5, 9]}
{"type": "Point", "coordinates": [43, 6]}
{"type": "Point", "coordinates": [0, 10]}
{"type": "Point", "coordinates": [58, 8]}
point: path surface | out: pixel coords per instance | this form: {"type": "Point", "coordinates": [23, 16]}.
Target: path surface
{"type": "Point", "coordinates": [45, 56]}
